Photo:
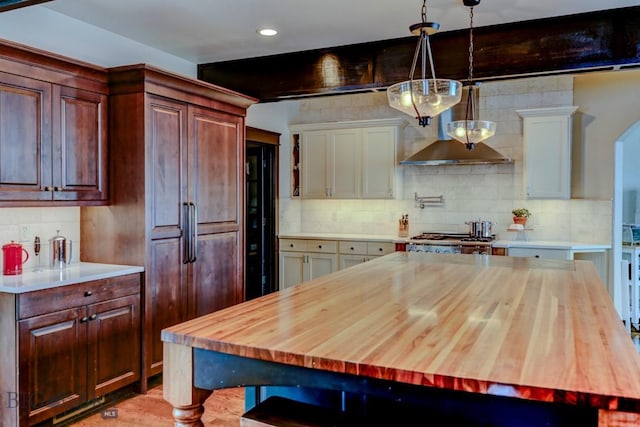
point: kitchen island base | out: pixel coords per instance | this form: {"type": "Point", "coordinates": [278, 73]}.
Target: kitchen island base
{"type": "Point", "coordinates": [351, 397]}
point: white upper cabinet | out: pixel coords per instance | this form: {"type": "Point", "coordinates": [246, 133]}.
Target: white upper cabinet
{"type": "Point", "coordinates": [349, 160]}
{"type": "Point", "coordinates": [547, 152]}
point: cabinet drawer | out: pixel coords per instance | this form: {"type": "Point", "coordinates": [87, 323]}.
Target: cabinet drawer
{"type": "Point", "coordinates": [540, 253]}
{"type": "Point", "coordinates": [64, 297]}
{"type": "Point", "coordinates": [380, 248]}
{"type": "Point", "coordinates": [293, 245]}
{"type": "Point", "coordinates": [322, 246]}
{"type": "Point", "coordinates": [309, 245]}
{"type": "Point", "coordinates": [356, 248]}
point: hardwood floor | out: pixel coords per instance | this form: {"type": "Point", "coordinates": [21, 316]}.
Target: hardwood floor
{"type": "Point", "coordinates": [222, 409]}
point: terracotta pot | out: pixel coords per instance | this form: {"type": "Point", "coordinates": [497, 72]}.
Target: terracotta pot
{"type": "Point", "coordinates": [520, 220]}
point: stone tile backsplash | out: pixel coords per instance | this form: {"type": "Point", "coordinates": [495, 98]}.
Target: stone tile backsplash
{"type": "Point", "coordinates": [23, 224]}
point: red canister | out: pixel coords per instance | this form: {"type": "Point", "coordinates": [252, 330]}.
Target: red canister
{"type": "Point", "coordinates": [12, 258]}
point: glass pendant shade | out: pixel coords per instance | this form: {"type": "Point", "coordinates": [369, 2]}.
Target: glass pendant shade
{"type": "Point", "coordinates": [429, 97]}
{"type": "Point", "coordinates": [424, 98]}
{"type": "Point", "coordinates": [471, 131]}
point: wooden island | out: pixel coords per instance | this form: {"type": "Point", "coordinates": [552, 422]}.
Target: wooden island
{"type": "Point", "coordinates": [480, 339]}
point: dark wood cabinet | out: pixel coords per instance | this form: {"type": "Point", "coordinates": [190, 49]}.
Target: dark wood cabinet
{"type": "Point", "coordinates": [177, 196]}
{"type": "Point", "coordinates": [74, 343]}
{"type": "Point", "coordinates": [53, 139]}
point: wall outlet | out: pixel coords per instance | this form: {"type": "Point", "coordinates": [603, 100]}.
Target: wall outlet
{"type": "Point", "coordinates": [25, 232]}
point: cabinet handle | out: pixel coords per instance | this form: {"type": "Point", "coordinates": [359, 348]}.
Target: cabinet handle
{"type": "Point", "coordinates": [291, 245]}
{"type": "Point", "coordinates": [319, 246]}
{"type": "Point", "coordinates": [48, 188]}
{"type": "Point", "coordinates": [57, 188]}
{"type": "Point", "coordinates": [537, 256]}
{"type": "Point", "coordinates": [194, 232]}
{"type": "Point", "coordinates": [84, 319]}
{"type": "Point", "coordinates": [351, 248]}
{"type": "Point", "coordinates": [185, 233]}
{"type": "Point", "coordinates": [380, 249]}
{"type": "Point", "coordinates": [88, 293]}
{"type": "Point", "coordinates": [94, 316]}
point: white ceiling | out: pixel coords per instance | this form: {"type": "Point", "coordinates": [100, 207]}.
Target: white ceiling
{"type": "Point", "coordinates": [202, 31]}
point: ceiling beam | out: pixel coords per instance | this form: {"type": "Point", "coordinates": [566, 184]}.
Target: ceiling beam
{"type": "Point", "coordinates": [574, 43]}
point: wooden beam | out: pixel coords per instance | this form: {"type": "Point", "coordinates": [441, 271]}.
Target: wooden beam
{"type": "Point", "coordinates": [15, 4]}
{"type": "Point", "coordinates": [572, 43]}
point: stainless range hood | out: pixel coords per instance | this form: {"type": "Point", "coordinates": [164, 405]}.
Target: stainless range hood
{"type": "Point", "coordinates": [447, 151]}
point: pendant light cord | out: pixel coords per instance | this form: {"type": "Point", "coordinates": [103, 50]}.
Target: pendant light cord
{"type": "Point", "coordinates": [470, 113]}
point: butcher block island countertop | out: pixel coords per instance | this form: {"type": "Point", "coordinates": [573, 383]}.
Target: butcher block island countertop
{"type": "Point", "coordinates": [530, 329]}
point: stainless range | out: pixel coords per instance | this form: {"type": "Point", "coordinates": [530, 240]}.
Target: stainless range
{"type": "Point", "coordinates": [450, 243]}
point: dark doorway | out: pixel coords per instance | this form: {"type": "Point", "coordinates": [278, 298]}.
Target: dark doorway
{"type": "Point", "coordinates": [261, 218]}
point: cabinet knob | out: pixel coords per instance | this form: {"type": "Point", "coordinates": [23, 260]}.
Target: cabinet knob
{"type": "Point", "coordinates": [291, 245]}
{"type": "Point", "coordinates": [57, 188]}
{"type": "Point", "coordinates": [93, 316]}
{"type": "Point", "coordinates": [84, 319]}
{"type": "Point", "coordinates": [319, 246]}
{"type": "Point", "coordinates": [537, 256]}
{"type": "Point", "coordinates": [351, 248]}
{"type": "Point", "coordinates": [47, 188]}
{"type": "Point", "coordinates": [88, 293]}
{"type": "Point", "coordinates": [380, 249]}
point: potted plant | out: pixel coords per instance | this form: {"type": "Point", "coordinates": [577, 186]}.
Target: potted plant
{"type": "Point", "coordinates": [520, 215]}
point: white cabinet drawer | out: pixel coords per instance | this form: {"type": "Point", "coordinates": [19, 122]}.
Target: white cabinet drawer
{"type": "Point", "coordinates": [380, 248]}
{"type": "Point", "coordinates": [540, 253]}
{"type": "Point", "coordinates": [309, 245]}
{"type": "Point", "coordinates": [351, 247]}
{"type": "Point", "coordinates": [293, 245]}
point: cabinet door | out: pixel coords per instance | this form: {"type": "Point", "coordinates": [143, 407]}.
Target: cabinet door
{"type": "Point", "coordinates": [315, 152]}
{"type": "Point", "coordinates": [320, 265]}
{"type": "Point", "coordinates": [345, 163]}
{"type": "Point", "coordinates": [53, 363]}
{"type": "Point", "coordinates": [214, 282]}
{"type": "Point", "coordinates": [216, 186]}
{"type": "Point", "coordinates": [292, 267]}
{"type": "Point", "coordinates": [80, 163]}
{"type": "Point", "coordinates": [351, 260]}
{"type": "Point", "coordinates": [25, 139]}
{"type": "Point", "coordinates": [114, 344]}
{"type": "Point", "coordinates": [379, 162]}
{"type": "Point", "coordinates": [547, 152]}
{"type": "Point", "coordinates": [165, 273]}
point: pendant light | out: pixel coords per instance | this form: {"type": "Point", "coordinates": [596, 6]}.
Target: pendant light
{"type": "Point", "coordinates": [424, 98]}
{"type": "Point", "coordinates": [470, 131]}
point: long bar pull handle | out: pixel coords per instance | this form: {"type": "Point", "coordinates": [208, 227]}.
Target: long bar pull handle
{"type": "Point", "coordinates": [194, 232]}
{"type": "Point", "coordinates": [186, 232]}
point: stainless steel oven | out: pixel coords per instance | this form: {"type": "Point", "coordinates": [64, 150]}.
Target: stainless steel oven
{"type": "Point", "coordinates": [449, 243]}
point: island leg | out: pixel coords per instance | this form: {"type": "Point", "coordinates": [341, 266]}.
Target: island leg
{"type": "Point", "coordinates": [178, 387]}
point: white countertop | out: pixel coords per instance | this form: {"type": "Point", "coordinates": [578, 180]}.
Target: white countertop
{"type": "Point", "coordinates": [551, 244]}
{"type": "Point", "coordinates": [46, 278]}
{"type": "Point", "coordinates": [342, 236]}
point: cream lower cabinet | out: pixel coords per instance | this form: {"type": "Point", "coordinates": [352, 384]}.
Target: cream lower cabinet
{"type": "Point", "coordinates": [356, 252]}
{"type": "Point", "coordinates": [302, 260]}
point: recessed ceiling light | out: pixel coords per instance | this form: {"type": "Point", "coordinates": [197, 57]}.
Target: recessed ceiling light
{"type": "Point", "coordinates": [267, 32]}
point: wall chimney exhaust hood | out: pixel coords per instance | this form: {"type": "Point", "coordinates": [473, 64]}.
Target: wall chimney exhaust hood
{"type": "Point", "coordinates": [447, 151]}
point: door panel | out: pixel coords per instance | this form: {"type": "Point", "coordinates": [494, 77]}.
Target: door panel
{"type": "Point", "coordinates": [80, 144]}
{"type": "Point", "coordinates": [168, 142]}
{"type": "Point", "coordinates": [115, 331]}
{"type": "Point", "coordinates": [291, 269]}
{"type": "Point", "coordinates": [218, 166]}
{"type": "Point", "coordinates": [166, 306]}
{"type": "Point", "coordinates": [25, 145]}
{"type": "Point", "coordinates": [217, 274]}
{"type": "Point", "coordinates": [53, 363]}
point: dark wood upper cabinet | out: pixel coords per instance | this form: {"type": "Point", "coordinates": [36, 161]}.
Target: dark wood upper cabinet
{"type": "Point", "coordinates": [53, 137]}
